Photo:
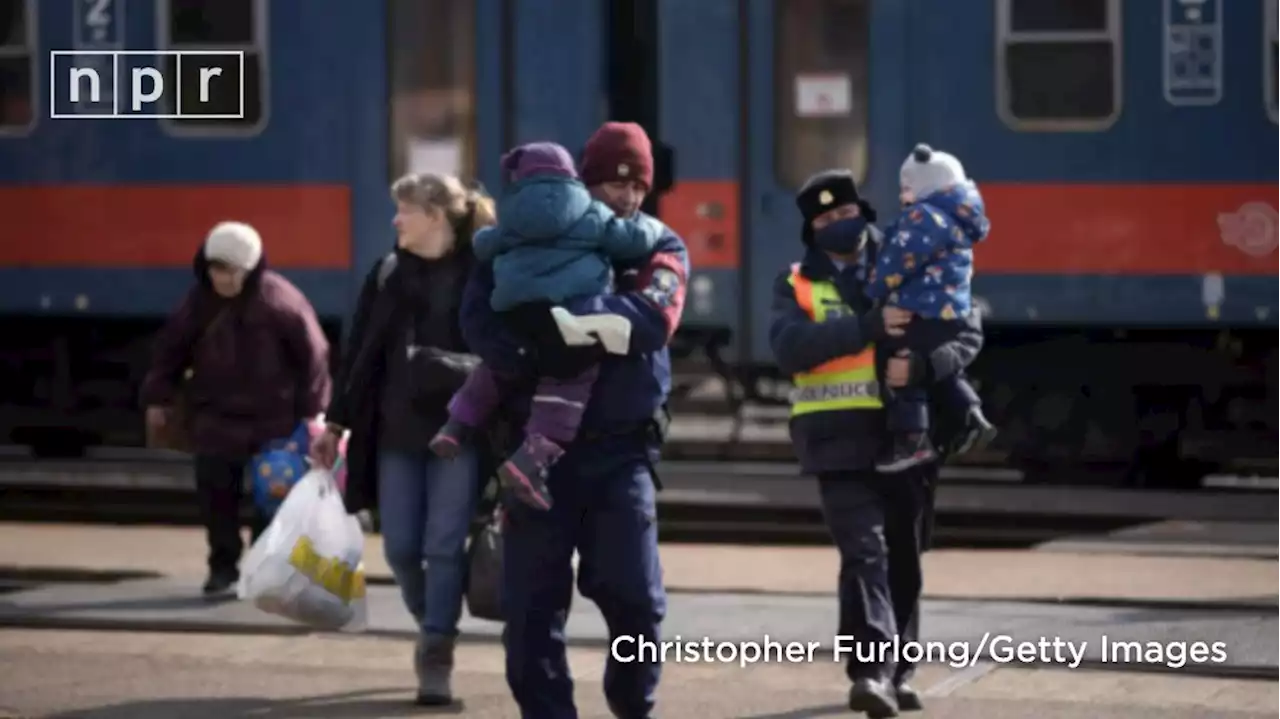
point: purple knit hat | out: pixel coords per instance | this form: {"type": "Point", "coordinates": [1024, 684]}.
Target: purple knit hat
{"type": "Point", "coordinates": [539, 158]}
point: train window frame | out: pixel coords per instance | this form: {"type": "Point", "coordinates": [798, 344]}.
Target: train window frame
{"type": "Point", "coordinates": [1270, 37]}
{"type": "Point", "coordinates": [783, 89]}
{"type": "Point", "coordinates": [31, 43]}
{"type": "Point", "coordinates": [1006, 35]}
{"type": "Point", "coordinates": [398, 135]}
{"type": "Point", "coordinates": [259, 45]}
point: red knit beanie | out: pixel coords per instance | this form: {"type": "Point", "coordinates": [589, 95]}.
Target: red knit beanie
{"type": "Point", "coordinates": [618, 151]}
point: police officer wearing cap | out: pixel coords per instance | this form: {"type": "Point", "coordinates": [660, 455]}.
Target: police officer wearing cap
{"type": "Point", "coordinates": [824, 334]}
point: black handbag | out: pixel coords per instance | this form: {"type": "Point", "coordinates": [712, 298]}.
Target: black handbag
{"type": "Point", "coordinates": [435, 372]}
{"type": "Point", "coordinates": [484, 568]}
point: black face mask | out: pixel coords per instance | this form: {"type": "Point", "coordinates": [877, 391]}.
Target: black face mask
{"type": "Point", "coordinates": [841, 237]}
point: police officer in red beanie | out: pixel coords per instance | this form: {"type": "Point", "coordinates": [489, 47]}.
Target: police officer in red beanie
{"type": "Point", "coordinates": [604, 486]}
{"type": "Point", "coordinates": [618, 165]}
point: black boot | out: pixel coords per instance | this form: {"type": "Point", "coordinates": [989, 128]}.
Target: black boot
{"type": "Point", "coordinates": [874, 697]}
{"type": "Point", "coordinates": [978, 432]}
{"type": "Point", "coordinates": [907, 451]}
{"type": "Point", "coordinates": [221, 583]}
{"type": "Point", "coordinates": [909, 699]}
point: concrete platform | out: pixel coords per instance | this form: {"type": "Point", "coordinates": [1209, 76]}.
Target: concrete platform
{"type": "Point", "coordinates": [777, 485]}
{"type": "Point", "coordinates": [1245, 640]}
{"type": "Point", "coordinates": [745, 485]}
{"type": "Point", "coordinates": [1098, 574]}
{"type": "Point", "coordinates": [1180, 537]}
{"type": "Point", "coordinates": [150, 675]}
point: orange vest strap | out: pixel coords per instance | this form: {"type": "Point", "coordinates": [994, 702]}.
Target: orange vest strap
{"type": "Point", "coordinates": [862, 360]}
{"type": "Point", "coordinates": [804, 290]}
{"type": "Point", "coordinates": [804, 298]}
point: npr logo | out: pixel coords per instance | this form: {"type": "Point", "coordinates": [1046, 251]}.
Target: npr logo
{"type": "Point", "coordinates": [154, 84]}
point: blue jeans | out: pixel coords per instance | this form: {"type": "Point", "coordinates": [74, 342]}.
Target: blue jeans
{"type": "Point", "coordinates": [426, 505]}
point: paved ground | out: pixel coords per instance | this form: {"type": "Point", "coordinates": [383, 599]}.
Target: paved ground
{"type": "Point", "coordinates": [1230, 641]}
{"type": "Point", "coordinates": [1093, 569]}
{"type": "Point", "coordinates": [64, 674]}
{"type": "Point", "coordinates": [151, 648]}
{"type": "Point", "coordinates": [1236, 539]}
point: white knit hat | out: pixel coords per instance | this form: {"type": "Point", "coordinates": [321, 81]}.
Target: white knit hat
{"type": "Point", "coordinates": [235, 244]}
{"type": "Point", "coordinates": [926, 171]}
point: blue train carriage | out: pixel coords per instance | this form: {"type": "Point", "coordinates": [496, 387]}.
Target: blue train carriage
{"type": "Point", "coordinates": [1130, 282]}
{"type": "Point", "coordinates": [744, 99]}
{"type": "Point", "coordinates": [103, 213]}
{"type": "Point", "coordinates": [1125, 150]}
{"type": "Point", "coordinates": [339, 98]}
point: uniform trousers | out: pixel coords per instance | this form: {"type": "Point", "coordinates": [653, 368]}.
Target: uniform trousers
{"type": "Point", "coordinates": [881, 524]}
{"type": "Point", "coordinates": [606, 510]}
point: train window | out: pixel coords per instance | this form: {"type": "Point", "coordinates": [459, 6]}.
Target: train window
{"type": "Point", "coordinates": [1057, 15]}
{"type": "Point", "coordinates": [432, 87]}
{"type": "Point", "coordinates": [1058, 63]}
{"type": "Point", "coordinates": [1271, 53]}
{"type": "Point", "coordinates": [820, 87]}
{"type": "Point", "coordinates": [17, 66]}
{"type": "Point", "coordinates": [216, 25]}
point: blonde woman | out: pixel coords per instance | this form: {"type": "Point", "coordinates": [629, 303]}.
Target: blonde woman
{"type": "Point", "coordinates": [404, 360]}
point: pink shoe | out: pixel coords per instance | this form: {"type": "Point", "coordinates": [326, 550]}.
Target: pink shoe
{"type": "Point", "coordinates": [524, 473]}
{"type": "Point", "coordinates": [447, 443]}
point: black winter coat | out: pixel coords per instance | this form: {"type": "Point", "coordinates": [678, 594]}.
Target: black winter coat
{"type": "Point", "coordinates": [382, 310]}
{"type": "Point", "coordinates": [850, 440]}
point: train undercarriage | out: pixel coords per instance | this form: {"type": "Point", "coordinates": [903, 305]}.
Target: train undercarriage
{"type": "Point", "coordinates": [1146, 408]}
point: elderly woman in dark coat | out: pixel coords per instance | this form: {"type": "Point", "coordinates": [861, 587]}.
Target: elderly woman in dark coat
{"type": "Point", "coordinates": [255, 364]}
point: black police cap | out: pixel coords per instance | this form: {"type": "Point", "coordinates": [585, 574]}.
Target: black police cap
{"type": "Point", "coordinates": [830, 189]}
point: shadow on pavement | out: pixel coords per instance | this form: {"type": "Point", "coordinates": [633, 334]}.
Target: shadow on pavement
{"type": "Point", "coordinates": [326, 706]}
{"type": "Point", "coordinates": [131, 604]}
{"type": "Point", "coordinates": [828, 710]}
{"type": "Point", "coordinates": [68, 575]}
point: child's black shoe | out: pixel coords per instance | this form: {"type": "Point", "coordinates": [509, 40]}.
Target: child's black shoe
{"type": "Point", "coordinates": [978, 432]}
{"type": "Point", "coordinates": [907, 451]}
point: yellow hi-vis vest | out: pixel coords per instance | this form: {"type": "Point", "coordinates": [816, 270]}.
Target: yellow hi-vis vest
{"type": "Point", "coordinates": [844, 383]}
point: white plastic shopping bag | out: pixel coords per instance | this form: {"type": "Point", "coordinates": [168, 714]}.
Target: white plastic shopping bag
{"type": "Point", "coordinates": [307, 565]}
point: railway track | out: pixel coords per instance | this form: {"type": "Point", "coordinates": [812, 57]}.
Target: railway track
{"type": "Point", "coordinates": [745, 502]}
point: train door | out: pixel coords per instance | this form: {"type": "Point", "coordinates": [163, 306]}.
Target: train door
{"type": "Point", "coordinates": [669, 66]}
{"type": "Point", "coordinates": [811, 69]}
{"type": "Point", "coordinates": [570, 70]}
{"type": "Point", "coordinates": [554, 71]}
{"type": "Point", "coordinates": [632, 81]}
{"type": "Point", "coordinates": [567, 70]}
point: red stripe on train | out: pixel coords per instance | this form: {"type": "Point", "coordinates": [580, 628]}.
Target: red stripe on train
{"type": "Point", "coordinates": [1130, 229]}
{"type": "Point", "coordinates": [302, 226]}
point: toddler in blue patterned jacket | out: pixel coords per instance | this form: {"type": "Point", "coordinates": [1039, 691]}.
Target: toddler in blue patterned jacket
{"type": "Point", "coordinates": [925, 265]}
